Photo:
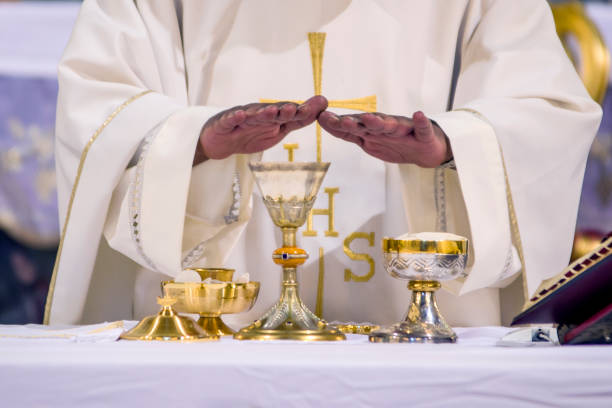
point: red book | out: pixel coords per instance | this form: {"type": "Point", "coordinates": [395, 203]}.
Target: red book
{"type": "Point", "coordinates": [579, 299]}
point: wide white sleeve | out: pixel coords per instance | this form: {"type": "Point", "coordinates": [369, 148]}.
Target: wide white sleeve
{"type": "Point", "coordinates": [520, 130]}
{"type": "Point", "coordinates": [122, 86]}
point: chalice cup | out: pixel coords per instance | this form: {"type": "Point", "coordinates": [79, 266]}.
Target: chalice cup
{"type": "Point", "coordinates": [424, 260]}
{"type": "Point", "coordinates": [289, 190]}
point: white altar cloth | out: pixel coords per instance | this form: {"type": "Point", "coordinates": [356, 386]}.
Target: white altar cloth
{"type": "Point", "coordinates": [266, 374]}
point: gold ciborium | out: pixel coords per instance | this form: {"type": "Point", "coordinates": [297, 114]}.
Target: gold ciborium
{"type": "Point", "coordinates": [289, 191]}
{"type": "Point", "coordinates": [424, 260]}
{"type": "Point", "coordinates": [211, 300]}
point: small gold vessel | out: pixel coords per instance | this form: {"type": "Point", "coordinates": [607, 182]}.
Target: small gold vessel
{"type": "Point", "coordinates": [211, 300]}
{"type": "Point", "coordinates": [167, 326]}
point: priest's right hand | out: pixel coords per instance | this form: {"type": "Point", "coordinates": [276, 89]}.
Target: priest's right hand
{"type": "Point", "coordinates": [254, 128]}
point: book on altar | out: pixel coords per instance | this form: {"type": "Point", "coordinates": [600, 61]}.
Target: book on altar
{"type": "Point", "coordinates": [578, 300]}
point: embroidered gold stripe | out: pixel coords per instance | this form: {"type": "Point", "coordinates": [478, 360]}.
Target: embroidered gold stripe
{"type": "Point", "coordinates": [72, 195]}
{"type": "Point", "coordinates": [516, 235]}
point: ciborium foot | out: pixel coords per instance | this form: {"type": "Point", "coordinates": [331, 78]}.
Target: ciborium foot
{"type": "Point", "coordinates": [214, 325]}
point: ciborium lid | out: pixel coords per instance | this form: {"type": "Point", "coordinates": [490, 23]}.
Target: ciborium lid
{"type": "Point", "coordinates": [167, 326]}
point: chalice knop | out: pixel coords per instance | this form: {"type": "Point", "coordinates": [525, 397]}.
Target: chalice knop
{"type": "Point", "coordinates": [289, 190]}
{"type": "Point", "coordinates": [425, 260]}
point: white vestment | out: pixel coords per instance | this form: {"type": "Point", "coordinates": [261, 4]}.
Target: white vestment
{"type": "Point", "coordinates": [139, 79]}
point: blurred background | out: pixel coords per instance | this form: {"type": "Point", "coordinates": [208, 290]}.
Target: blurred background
{"type": "Point", "coordinates": [33, 35]}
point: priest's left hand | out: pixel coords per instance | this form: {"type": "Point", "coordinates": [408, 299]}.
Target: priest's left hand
{"type": "Point", "coordinates": [395, 139]}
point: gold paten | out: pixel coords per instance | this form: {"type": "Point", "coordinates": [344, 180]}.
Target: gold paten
{"type": "Point", "coordinates": [357, 328]}
{"type": "Point", "coordinates": [446, 247]}
{"type": "Point", "coordinates": [167, 326]}
{"type": "Point", "coordinates": [211, 300]}
{"type": "Point", "coordinates": [289, 190]}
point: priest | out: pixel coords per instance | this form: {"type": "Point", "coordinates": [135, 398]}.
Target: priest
{"type": "Point", "coordinates": [461, 116]}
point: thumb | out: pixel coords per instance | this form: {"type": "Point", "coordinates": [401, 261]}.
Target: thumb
{"type": "Point", "coordinates": [423, 128]}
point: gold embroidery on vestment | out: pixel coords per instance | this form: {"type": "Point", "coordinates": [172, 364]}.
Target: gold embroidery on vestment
{"type": "Point", "coordinates": [329, 211]}
{"type": "Point", "coordinates": [73, 194]}
{"type": "Point", "coordinates": [320, 284]}
{"type": "Point", "coordinates": [348, 274]}
{"type": "Point", "coordinates": [290, 147]}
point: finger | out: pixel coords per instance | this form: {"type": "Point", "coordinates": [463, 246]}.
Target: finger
{"type": "Point", "coordinates": [423, 128]}
{"type": "Point", "coordinates": [263, 114]}
{"type": "Point", "coordinates": [229, 120]}
{"type": "Point", "coordinates": [329, 121]}
{"type": "Point", "coordinates": [373, 123]}
{"type": "Point", "coordinates": [310, 109]}
{"type": "Point", "coordinates": [352, 124]}
{"type": "Point", "coordinates": [391, 124]}
{"type": "Point", "coordinates": [349, 137]}
{"type": "Point", "coordinates": [286, 112]}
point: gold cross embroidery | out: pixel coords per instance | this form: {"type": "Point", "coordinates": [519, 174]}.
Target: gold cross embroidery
{"type": "Point", "coordinates": [365, 104]}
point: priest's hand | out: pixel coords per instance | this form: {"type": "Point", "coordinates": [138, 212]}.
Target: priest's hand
{"type": "Point", "coordinates": [395, 139]}
{"type": "Point", "coordinates": [254, 128]}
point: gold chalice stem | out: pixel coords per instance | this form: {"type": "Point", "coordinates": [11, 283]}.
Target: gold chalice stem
{"type": "Point", "coordinates": [290, 313]}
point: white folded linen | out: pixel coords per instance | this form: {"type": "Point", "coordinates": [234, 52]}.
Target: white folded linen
{"type": "Point", "coordinates": [107, 331]}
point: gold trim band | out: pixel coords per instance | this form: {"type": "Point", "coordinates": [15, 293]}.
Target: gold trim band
{"type": "Point", "coordinates": [72, 195]}
{"type": "Point", "coordinates": [412, 246]}
{"type": "Point", "coordinates": [424, 286]}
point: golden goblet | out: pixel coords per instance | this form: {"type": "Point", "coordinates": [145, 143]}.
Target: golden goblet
{"type": "Point", "coordinates": [289, 191]}
{"type": "Point", "coordinates": [424, 260]}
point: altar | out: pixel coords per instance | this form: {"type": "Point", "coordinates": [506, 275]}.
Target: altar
{"type": "Point", "coordinates": [473, 372]}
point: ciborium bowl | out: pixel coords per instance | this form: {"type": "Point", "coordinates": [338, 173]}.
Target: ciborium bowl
{"type": "Point", "coordinates": [424, 260]}
{"type": "Point", "coordinates": [211, 300]}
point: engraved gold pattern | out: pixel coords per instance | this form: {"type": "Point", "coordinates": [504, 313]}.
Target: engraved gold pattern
{"type": "Point", "coordinates": [348, 274]}
{"type": "Point", "coordinates": [73, 194]}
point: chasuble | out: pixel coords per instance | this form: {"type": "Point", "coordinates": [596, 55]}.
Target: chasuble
{"type": "Point", "coordinates": [139, 79]}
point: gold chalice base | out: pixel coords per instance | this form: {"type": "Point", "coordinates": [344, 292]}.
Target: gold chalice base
{"type": "Point", "coordinates": [287, 332]}
{"type": "Point", "coordinates": [211, 300]}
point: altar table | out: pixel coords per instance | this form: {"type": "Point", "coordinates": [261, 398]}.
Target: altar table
{"type": "Point", "coordinates": [473, 372]}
